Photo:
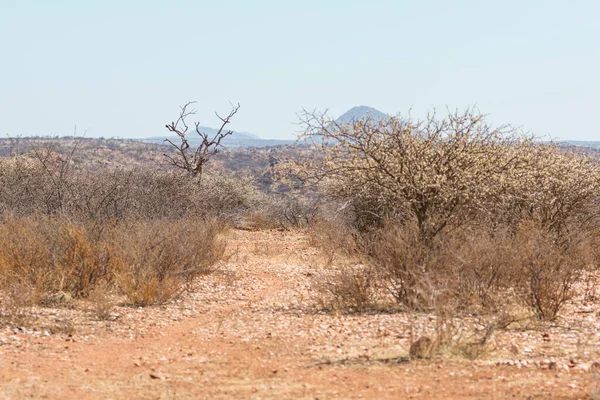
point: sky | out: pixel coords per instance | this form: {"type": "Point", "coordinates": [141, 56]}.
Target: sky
{"type": "Point", "coordinates": [122, 68]}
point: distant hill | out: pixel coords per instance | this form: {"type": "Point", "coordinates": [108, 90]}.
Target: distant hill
{"type": "Point", "coordinates": [581, 143]}
{"type": "Point", "coordinates": [360, 112]}
{"type": "Point", "coordinates": [237, 139]}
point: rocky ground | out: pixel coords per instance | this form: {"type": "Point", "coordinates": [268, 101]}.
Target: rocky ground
{"type": "Point", "coordinates": [252, 330]}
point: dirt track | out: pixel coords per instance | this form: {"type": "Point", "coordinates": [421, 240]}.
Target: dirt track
{"type": "Point", "coordinates": [249, 331]}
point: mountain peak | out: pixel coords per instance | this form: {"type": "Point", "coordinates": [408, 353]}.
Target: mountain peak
{"type": "Point", "coordinates": [360, 112]}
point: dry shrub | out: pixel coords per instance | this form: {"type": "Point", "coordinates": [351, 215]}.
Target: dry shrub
{"type": "Point", "coordinates": [53, 185]}
{"type": "Point", "coordinates": [482, 266]}
{"type": "Point", "coordinates": [102, 301]}
{"type": "Point", "coordinates": [142, 288]}
{"type": "Point", "coordinates": [50, 256]}
{"type": "Point", "coordinates": [160, 257]}
{"type": "Point", "coordinates": [289, 212]}
{"type": "Point", "coordinates": [333, 238]}
{"type": "Point", "coordinates": [474, 269]}
{"type": "Point", "coordinates": [80, 262]}
{"type": "Point", "coordinates": [349, 289]}
{"type": "Point", "coordinates": [545, 271]}
{"type": "Point", "coordinates": [414, 273]}
{"type": "Point", "coordinates": [45, 260]}
{"type": "Point", "coordinates": [276, 211]}
{"type": "Point", "coordinates": [15, 298]}
{"type": "Point", "coordinates": [69, 229]}
{"type": "Point", "coordinates": [24, 260]}
{"type": "Point", "coordinates": [229, 198]}
{"type": "Point", "coordinates": [478, 269]}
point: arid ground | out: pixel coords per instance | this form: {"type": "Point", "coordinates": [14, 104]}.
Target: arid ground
{"type": "Point", "coordinates": [252, 330]}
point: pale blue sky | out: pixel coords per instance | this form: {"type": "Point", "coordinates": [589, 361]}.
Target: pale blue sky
{"type": "Point", "coordinates": [121, 68]}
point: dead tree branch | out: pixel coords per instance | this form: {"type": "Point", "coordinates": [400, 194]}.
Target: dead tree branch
{"type": "Point", "coordinates": [187, 158]}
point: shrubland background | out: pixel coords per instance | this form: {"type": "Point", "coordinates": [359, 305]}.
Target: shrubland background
{"type": "Point", "coordinates": [446, 215]}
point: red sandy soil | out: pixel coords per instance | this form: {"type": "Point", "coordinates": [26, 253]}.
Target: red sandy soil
{"type": "Point", "coordinates": [251, 331]}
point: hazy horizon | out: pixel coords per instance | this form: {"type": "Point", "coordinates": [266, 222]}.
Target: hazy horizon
{"type": "Point", "coordinates": [121, 69]}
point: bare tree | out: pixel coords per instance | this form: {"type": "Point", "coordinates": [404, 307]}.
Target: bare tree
{"type": "Point", "coordinates": [193, 160]}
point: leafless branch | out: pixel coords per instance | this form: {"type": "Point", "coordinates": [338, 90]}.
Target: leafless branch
{"type": "Point", "coordinates": [193, 161]}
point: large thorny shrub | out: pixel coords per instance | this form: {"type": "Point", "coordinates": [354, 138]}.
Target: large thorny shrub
{"type": "Point", "coordinates": [442, 204]}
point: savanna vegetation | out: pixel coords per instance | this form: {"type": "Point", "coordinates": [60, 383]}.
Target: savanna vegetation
{"type": "Point", "coordinates": [447, 215]}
